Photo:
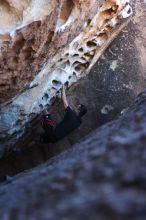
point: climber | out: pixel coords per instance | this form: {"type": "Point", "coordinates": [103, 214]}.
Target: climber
{"type": "Point", "coordinates": [70, 122]}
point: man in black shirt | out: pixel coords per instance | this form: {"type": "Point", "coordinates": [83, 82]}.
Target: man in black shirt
{"type": "Point", "coordinates": [70, 122]}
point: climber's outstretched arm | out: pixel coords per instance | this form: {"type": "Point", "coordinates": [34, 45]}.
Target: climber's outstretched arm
{"type": "Point", "coordinates": [63, 97]}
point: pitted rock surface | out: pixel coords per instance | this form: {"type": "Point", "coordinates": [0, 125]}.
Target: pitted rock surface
{"type": "Point", "coordinates": [102, 177]}
{"type": "Point", "coordinates": [30, 34]}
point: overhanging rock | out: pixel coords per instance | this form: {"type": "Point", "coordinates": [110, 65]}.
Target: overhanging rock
{"type": "Point", "coordinates": [57, 42]}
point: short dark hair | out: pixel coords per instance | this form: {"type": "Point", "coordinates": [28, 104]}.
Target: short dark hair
{"type": "Point", "coordinates": [83, 110]}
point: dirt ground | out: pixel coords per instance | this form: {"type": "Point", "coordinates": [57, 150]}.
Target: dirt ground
{"type": "Point", "coordinates": [114, 81]}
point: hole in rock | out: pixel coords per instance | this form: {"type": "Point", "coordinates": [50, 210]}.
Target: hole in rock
{"type": "Point", "coordinates": [89, 21]}
{"type": "Point", "coordinates": [81, 49]}
{"type": "Point", "coordinates": [53, 89]}
{"type": "Point", "coordinates": [91, 44]}
{"type": "Point", "coordinates": [129, 11]}
{"type": "Point", "coordinates": [46, 96]}
{"type": "Point", "coordinates": [75, 55]}
{"type": "Point", "coordinates": [102, 35]}
{"type": "Point", "coordinates": [41, 106]}
{"type": "Point", "coordinates": [108, 12]}
{"type": "Point", "coordinates": [84, 59]}
{"type": "Point", "coordinates": [60, 60]}
{"type": "Point", "coordinates": [56, 83]}
{"type": "Point", "coordinates": [80, 67]}
{"type": "Point", "coordinates": [76, 63]}
{"type": "Point", "coordinates": [66, 83]}
{"type": "Point", "coordinates": [88, 55]}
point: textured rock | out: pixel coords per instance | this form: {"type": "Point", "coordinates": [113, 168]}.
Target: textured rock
{"type": "Point", "coordinates": [56, 48]}
{"type": "Point", "coordinates": [31, 34]}
{"type": "Point", "coordinates": [103, 177]}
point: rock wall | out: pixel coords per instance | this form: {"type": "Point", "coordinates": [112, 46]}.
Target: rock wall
{"type": "Point", "coordinates": [32, 32]}
{"type": "Point", "coordinates": [56, 43]}
{"type": "Point", "coordinates": [103, 177]}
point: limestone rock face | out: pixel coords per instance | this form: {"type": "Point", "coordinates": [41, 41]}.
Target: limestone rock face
{"type": "Point", "coordinates": [103, 177]}
{"type": "Point", "coordinates": [44, 44]}
{"type": "Point", "coordinates": [30, 34]}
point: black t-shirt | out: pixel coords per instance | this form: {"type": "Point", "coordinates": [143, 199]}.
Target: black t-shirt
{"type": "Point", "coordinates": [70, 122]}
